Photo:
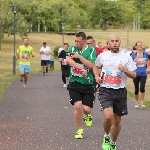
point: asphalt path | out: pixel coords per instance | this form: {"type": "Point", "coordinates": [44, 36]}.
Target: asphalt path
{"type": "Point", "coordinates": [40, 117]}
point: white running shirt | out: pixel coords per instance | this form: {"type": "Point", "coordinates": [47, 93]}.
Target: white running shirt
{"type": "Point", "coordinates": [113, 77]}
{"type": "Point", "coordinates": [47, 52]}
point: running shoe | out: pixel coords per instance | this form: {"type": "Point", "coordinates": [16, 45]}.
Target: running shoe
{"type": "Point", "coordinates": [21, 79]}
{"type": "Point", "coordinates": [112, 147]}
{"type": "Point", "coordinates": [88, 120]}
{"type": "Point", "coordinates": [79, 134]}
{"type": "Point", "coordinates": [65, 85]}
{"type": "Point", "coordinates": [136, 105]}
{"type": "Point", "coordinates": [142, 105]}
{"type": "Point", "coordinates": [106, 143]}
{"type": "Point", "coordinates": [24, 85]}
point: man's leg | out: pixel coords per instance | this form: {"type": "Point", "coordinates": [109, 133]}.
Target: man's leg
{"type": "Point", "coordinates": [116, 127]}
{"type": "Point", "coordinates": [107, 124]}
{"type": "Point", "coordinates": [78, 107]}
{"type": "Point", "coordinates": [21, 69]}
{"type": "Point", "coordinates": [78, 113]}
{"type": "Point", "coordinates": [25, 79]}
{"type": "Point", "coordinates": [63, 75]}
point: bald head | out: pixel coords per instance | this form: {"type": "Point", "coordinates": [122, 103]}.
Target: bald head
{"type": "Point", "coordinates": [114, 42]}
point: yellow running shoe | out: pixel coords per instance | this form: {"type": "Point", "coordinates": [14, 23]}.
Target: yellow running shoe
{"type": "Point", "coordinates": [79, 134]}
{"type": "Point", "coordinates": [88, 120]}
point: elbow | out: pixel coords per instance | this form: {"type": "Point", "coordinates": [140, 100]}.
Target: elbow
{"type": "Point", "coordinates": [134, 75]}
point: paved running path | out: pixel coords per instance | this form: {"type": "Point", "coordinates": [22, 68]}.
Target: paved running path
{"type": "Point", "coordinates": [40, 117]}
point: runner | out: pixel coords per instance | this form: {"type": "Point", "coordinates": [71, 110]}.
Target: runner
{"type": "Point", "coordinates": [23, 54]}
{"type": "Point", "coordinates": [82, 58]}
{"type": "Point", "coordinates": [116, 66]}
{"type": "Point", "coordinates": [140, 57]}
{"type": "Point", "coordinates": [45, 52]}
{"type": "Point", "coordinates": [65, 68]}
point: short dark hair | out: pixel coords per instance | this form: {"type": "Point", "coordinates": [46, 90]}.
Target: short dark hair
{"type": "Point", "coordinates": [65, 44]}
{"type": "Point", "coordinates": [26, 38]}
{"type": "Point", "coordinates": [44, 43]}
{"type": "Point", "coordinates": [89, 37]}
{"type": "Point", "coordinates": [81, 34]}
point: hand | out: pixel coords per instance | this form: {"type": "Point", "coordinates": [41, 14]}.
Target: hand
{"type": "Point", "coordinates": [148, 70]}
{"type": "Point", "coordinates": [121, 68]}
{"type": "Point", "coordinates": [84, 72]}
{"type": "Point", "coordinates": [74, 55]}
{"type": "Point", "coordinates": [135, 60]}
{"type": "Point", "coordinates": [98, 79]}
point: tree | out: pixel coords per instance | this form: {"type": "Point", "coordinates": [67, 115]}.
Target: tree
{"type": "Point", "coordinates": [104, 12]}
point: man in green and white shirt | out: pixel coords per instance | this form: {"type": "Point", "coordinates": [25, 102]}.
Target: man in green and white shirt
{"type": "Point", "coordinates": [81, 58]}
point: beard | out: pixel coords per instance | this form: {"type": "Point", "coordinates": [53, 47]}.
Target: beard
{"type": "Point", "coordinates": [114, 50]}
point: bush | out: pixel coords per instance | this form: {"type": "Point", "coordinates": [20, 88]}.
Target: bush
{"type": "Point", "coordinates": [55, 51]}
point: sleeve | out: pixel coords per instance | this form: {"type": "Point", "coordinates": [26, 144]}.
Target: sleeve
{"type": "Point", "coordinates": [92, 56]}
{"type": "Point", "coordinates": [133, 55]}
{"type": "Point", "coordinates": [49, 49]}
{"type": "Point", "coordinates": [32, 51]}
{"type": "Point", "coordinates": [60, 55]}
{"type": "Point", "coordinates": [41, 49]}
{"type": "Point", "coordinates": [18, 50]}
{"type": "Point", "coordinates": [98, 61]}
{"type": "Point", "coordinates": [131, 66]}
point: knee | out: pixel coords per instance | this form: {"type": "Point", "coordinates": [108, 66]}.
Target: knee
{"type": "Point", "coordinates": [86, 109]}
{"type": "Point", "coordinates": [78, 107]}
{"type": "Point", "coordinates": [117, 121]}
{"type": "Point", "coordinates": [142, 90]}
{"type": "Point", "coordinates": [108, 117]}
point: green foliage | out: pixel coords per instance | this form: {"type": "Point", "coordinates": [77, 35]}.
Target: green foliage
{"type": "Point", "coordinates": [55, 51]}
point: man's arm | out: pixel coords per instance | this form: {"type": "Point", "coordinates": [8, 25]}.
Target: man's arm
{"type": "Point", "coordinates": [72, 63]}
{"type": "Point", "coordinates": [86, 62]}
{"type": "Point", "coordinates": [97, 72]}
{"type": "Point", "coordinates": [130, 74]}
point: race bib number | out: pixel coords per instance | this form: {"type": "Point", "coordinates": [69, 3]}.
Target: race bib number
{"type": "Point", "coordinates": [24, 57]}
{"type": "Point", "coordinates": [76, 72]}
{"type": "Point", "coordinates": [141, 62]}
{"type": "Point", "coordinates": [112, 79]}
{"type": "Point", "coordinates": [63, 62]}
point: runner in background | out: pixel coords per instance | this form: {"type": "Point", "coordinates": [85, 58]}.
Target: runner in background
{"type": "Point", "coordinates": [23, 55]}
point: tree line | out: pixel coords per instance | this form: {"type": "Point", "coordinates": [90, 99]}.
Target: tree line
{"type": "Point", "coordinates": [48, 15]}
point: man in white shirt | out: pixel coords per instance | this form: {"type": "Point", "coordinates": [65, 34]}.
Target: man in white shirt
{"type": "Point", "coordinates": [115, 66]}
{"type": "Point", "coordinates": [45, 52]}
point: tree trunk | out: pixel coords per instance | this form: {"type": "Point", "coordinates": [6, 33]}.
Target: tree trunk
{"type": "Point", "coordinates": [38, 27]}
{"type": "Point", "coordinates": [45, 28]}
{"type": "Point", "coordinates": [31, 27]}
{"type": "Point", "coordinates": [0, 44]}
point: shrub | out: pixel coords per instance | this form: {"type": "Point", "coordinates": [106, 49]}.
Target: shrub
{"type": "Point", "coordinates": [55, 51]}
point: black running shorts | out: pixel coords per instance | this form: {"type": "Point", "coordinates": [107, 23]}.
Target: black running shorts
{"type": "Point", "coordinates": [80, 92]}
{"type": "Point", "coordinates": [45, 62]}
{"type": "Point", "coordinates": [115, 98]}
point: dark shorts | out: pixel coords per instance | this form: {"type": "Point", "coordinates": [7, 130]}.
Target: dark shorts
{"type": "Point", "coordinates": [115, 98]}
{"type": "Point", "coordinates": [45, 62]}
{"type": "Point", "coordinates": [80, 92]}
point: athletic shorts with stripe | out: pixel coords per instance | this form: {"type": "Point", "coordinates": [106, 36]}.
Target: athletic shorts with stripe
{"type": "Point", "coordinates": [81, 92]}
{"type": "Point", "coordinates": [115, 98]}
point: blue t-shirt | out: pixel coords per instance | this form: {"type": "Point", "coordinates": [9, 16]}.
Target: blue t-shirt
{"type": "Point", "coordinates": [141, 64]}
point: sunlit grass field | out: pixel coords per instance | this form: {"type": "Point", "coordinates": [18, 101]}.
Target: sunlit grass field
{"type": "Point", "coordinates": [53, 40]}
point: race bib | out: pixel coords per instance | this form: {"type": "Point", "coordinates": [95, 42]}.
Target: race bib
{"type": "Point", "coordinates": [112, 79]}
{"type": "Point", "coordinates": [63, 62]}
{"type": "Point", "coordinates": [77, 72]}
{"type": "Point", "coordinates": [141, 62]}
{"type": "Point", "coordinates": [24, 57]}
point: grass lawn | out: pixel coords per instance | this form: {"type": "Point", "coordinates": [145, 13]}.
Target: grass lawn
{"type": "Point", "coordinates": [53, 40]}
